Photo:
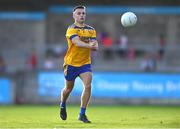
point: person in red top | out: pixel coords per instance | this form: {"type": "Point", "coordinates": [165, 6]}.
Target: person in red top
{"type": "Point", "coordinates": [32, 61]}
{"type": "Point", "coordinates": [162, 44]}
{"type": "Point", "coordinates": [2, 64]}
{"type": "Point", "coordinates": [107, 43]}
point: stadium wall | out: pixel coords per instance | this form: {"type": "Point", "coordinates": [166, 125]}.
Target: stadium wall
{"type": "Point", "coordinates": [44, 87]}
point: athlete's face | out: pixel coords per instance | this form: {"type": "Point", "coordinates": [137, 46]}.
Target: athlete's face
{"type": "Point", "coordinates": [79, 15]}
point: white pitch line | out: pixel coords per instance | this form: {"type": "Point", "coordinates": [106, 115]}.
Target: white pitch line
{"type": "Point", "coordinates": [89, 128]}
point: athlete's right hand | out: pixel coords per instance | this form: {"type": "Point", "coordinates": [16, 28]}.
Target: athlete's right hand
{"type": "Point", "coordinates": [93, 45]}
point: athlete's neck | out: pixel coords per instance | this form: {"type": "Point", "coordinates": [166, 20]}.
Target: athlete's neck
{"type": "Point", "coordinates": [79, 24]}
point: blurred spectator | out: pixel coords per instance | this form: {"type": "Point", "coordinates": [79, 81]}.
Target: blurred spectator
{"type": "Point", "coordinates": [59, 51]}
{"type": "Point", "coordinates": [131, 54]}
{"type": "Point", "coordinates": [56, 51]}
{"type": "Point", "coordinates": [123, 46]}
{"type": "Point", "coordinates": [148, 64]}
{"type": "Point", "coordinates": [32, 61]}
{"type": "Point", "coordinates": [2, 64]}
{"type": "Point", "coordinates": [162, 44]}
{"type": "Point", "coordinates": [107, 43]}
{"type": "Point", "coordinates": [49, 63]}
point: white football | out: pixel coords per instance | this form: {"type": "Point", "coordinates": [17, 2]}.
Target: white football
{"type": "Point", "coordinates": [128, 19]}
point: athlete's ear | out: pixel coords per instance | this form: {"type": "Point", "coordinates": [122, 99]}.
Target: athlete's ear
{"type": "Point", "coordinates": [73, 15]}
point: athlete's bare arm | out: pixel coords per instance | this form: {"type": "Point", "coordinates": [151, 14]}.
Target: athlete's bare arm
{"type": "Point", "coordinates": [92, 44]}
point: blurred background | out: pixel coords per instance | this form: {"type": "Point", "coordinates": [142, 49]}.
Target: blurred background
{"type": "Point", "coordinates": [136, 65]}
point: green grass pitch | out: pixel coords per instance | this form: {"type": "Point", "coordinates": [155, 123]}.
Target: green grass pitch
{"type": "Point", "coordinates": [43, 116]}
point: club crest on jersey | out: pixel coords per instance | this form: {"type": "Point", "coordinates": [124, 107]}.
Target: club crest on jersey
{"type": "Point", "coordinates": [85, 39]}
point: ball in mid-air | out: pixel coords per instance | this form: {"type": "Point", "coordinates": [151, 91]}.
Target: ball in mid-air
{"type": "Point", "coordinates": [128, 19]}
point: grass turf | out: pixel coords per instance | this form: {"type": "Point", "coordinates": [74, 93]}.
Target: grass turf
{"type": "Point", "coordinates": [32, 116]}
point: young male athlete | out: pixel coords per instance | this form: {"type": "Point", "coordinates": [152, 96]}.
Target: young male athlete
{"type": "Point", "coordinates": [81, 39]}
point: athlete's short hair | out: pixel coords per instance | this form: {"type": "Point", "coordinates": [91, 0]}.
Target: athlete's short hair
{"type": "Point", "coordinates": [79, 7]}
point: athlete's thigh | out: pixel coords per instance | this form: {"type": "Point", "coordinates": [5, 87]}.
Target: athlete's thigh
{"type": "Point", "coordinates": [69, 84]}
{"type": "Point", "coordinates": [86, 78]}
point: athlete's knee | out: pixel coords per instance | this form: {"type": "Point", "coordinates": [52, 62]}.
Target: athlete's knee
{"type": "Point", "coordinates": [88, 86]}
{"type": "Point", "coordinates": [68, 89]}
